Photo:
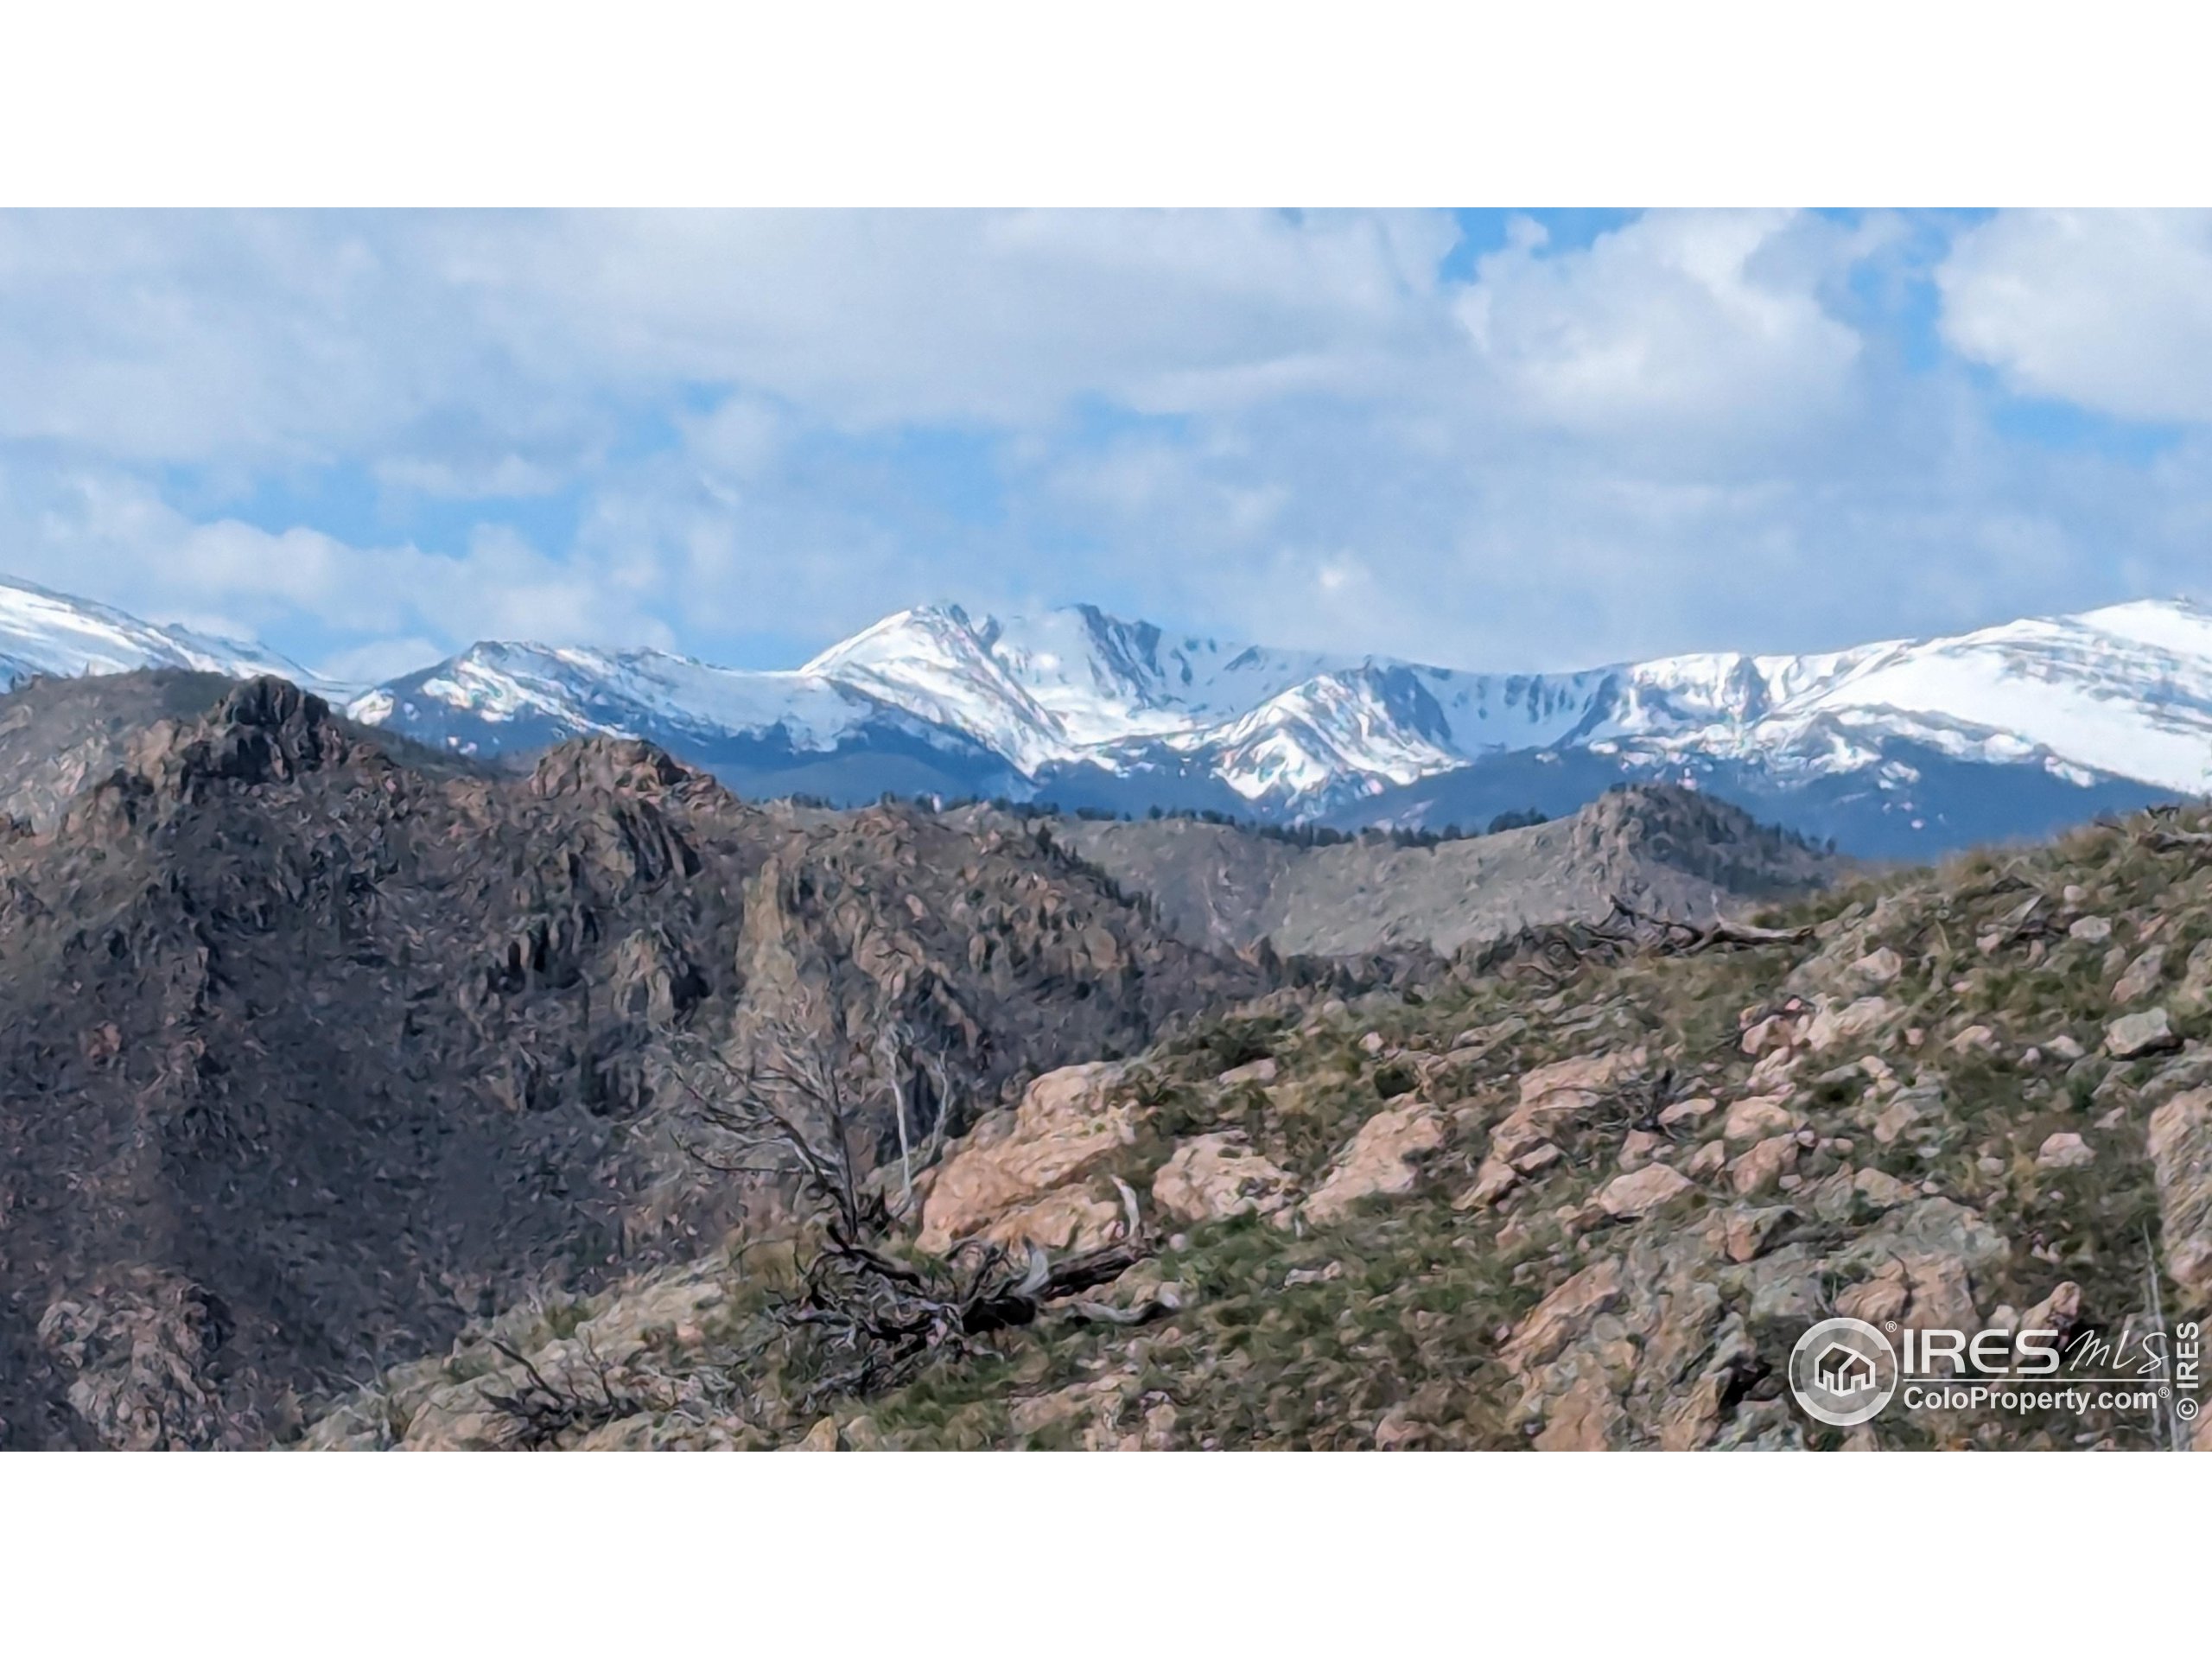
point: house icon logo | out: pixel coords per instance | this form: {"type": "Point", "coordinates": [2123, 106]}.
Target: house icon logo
{"type": "Point", "coordinates": [1842, 1372]}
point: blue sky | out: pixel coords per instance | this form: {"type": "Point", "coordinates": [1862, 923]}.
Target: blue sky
{"type": "Point", "coordinates": [1498, 438]}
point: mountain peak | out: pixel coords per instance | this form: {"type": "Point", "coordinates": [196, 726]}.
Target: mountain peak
{"type": "Point", "coordinates": [935, 629]}
{"type": "Point", "coordinates": [45, 633]}
{"type": "Point", "coordinates": [1076, 704]}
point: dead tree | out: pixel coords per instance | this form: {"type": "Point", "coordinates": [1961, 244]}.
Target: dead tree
{"type": "Point", "coordinates": [1670, 937]}
{"type": "Point", "coordinates": [879, 1319]}
{"type": "Point", "coordinates": [543, 1410]}
{"type": "Point", "coordinates": [2158, 837]}
{"type": "Point", "coordinates": [789, 1111]}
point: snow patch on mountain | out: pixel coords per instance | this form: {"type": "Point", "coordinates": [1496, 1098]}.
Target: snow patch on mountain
{"type": "Point", "coordinates": [46, 632]}
{"type": "Point", "coordinates": [631, 693]}
{"type": "Point", "coordinates": [2119, 693]}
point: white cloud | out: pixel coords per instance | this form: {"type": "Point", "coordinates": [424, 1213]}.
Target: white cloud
{"type": "Point", "coordinates": [458, 353]}
{"type": "Point", "coordinates": [507, 477]}
{"type": "Point", "coordinates": [108, 536]}
{"type": "Point", "coordinates": [2110, 310]}
{"type": "Point", "coordinates": [740, 438]}
{"type": "Point", "coordinates": [1693, 432]}
{"type": "Point", "coordinates": [1700, 324]}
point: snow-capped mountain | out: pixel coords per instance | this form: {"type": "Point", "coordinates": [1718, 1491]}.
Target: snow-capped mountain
{"type": "Point", "coordinates": [1898, 745]}
{"type": "Point", "coordinates": [43, 633]}
{"type": "Point", "coordinates": [1895, 747]}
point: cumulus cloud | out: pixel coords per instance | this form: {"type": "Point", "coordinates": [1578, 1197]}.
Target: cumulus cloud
{"type": "Point", "coordinates": [2109, 310]}
{"type": "Point", "coordinates": [109, 536]}
{"type": "Point", "coordinates": [745, 433]}
{"type": "Point", "coordinates": [1702, 324]}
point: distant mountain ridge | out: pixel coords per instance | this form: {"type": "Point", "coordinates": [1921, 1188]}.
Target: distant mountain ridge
{"type": "Point", "coordinates": [1663, 850]}
{"type": "Point", "coordinates": [1899, 747]}
{"type": "Point", "coordinates": [43, 633]}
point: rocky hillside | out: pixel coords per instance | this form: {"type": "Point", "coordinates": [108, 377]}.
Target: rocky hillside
{"type": "Point", "coordinates": [1584, 1191]}
{"type": "Point", "coordinates": [1662, 848]}
{"type": "Point", "coordinates": [59, 734]}
{"type": "Point", "coordinates": [312, 1051]}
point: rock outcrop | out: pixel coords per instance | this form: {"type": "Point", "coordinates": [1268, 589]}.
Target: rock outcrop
{"type": "Point", "coordinates": [359, 1041]}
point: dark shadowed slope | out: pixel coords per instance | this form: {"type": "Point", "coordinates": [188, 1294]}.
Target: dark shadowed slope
{"type": "Point", "coordinates": [1665, 849]}
{"type": "Point", "coordinates": [307, 1054]}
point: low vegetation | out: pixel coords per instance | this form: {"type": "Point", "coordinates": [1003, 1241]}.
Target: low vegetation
{"type": "Point", "coordinates": [1581, 1189]}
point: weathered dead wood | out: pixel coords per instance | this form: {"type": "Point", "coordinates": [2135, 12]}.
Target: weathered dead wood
{"type": "Point", "coordinates": [2162, 834]}
{"type": "Point", "coordinates": [874, 1317]}
{"type": "Point", "coordinates": [544, 1411]}
{"type": "Point", "coordinates": [1666, 937]}
{"type": "Point", "coordinates": [2174, 841]}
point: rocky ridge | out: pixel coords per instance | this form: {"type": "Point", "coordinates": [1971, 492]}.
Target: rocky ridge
{"type": "Point", "coordinates": [312, 1050]}
{"type": "Point", "coordinates": [1660, 847]}
{"type": "Point", "coordinates": [1575, 1194]}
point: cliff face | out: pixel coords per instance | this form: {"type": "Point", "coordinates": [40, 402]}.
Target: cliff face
{"type": "Point", "coordinates": [1662, 849]}
{"type": "Point", "coordinates": [1591, 1192]}
{"type": "Point", "coordinates": [313, 1047]}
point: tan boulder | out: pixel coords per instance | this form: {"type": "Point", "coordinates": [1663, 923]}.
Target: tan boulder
{"type": "Point", "coordinates": [1218, 1175]}
{"type": "Point", "coordinates": [1879, 1301]}
{"type": "Point", "coordinates": [1942, 1294]}
{"type": "Point", "coordinates": [2193, 994]}
{"type": "Point", "coordinates": [1036, 1413]}
{"type": "Point", "coordinates": [459, 1419]}
{"type": "Point", "coordinates": [1517, 1138]}
{"type": "Point", "coordinates": [1639, 1147]}
{"type": "Point", "coordinates": [2142, 976]}
{"type": "Point", "coordinates": [1744, 1233]}
{"type": "Point", "coordinates": [1541, 1156]}
{"type": "Point", "coordinates": [1772, 1073]}
{"type": "Point", "coordinates": [631, 1433]}
{"type": "Point", "coordinates": [1689, 1111]}
{"type": "Point", "coordinates": [1878, 966]}
{"type": "Point", "coordinates": [1833, 1025]}
{"type": "Point", "coordinates": [1070, 1122]}
{"type": "Point", "coordinates": [1555, 1320]}
{"type": "Point", "coordinates": [635, 1317]}
{"type": "Point", "coordinates": [1569, 1087]}
{"type": "Point", "coordinates": [1708, 1160]}
{"type": "Point", "coordinates": [1584, 1418]}
{"type": "Point", "coordinates": [1764, 1166]}
{"type": "Point", "coordinates": [1897, 1117]}
{"type": "Point", "coordinates": [1492, 1181]}
{"type": "Point", "coordinates": [1260, 1071]}
{"type": "Point", "coordinates": [1923, 1290]}
{"type": "Point", "coordinates": [2180, 1142]}
{"type": "Point", "coordinates": [1551, 1096]}
{"type": "Point", "coordinates": [1761, 1035]}
{"type": "Point", "coordinates": [1379, 1160]}
{"type": "Point", "coordinates": [1882, 1190]}
{"type": "Point", "coordinates": [1688, 1421]}
{"type": "Point", "coordinates": [1398, 1432]}
{"type": "Point", "coordinates": [1079, 1217]}
{"type": "Point", "coordinates": [2064, 1151]}
{"type": "Point", "coordinates": [1627, 1197]}
{"type": "Point", "coordinates": [2133, 1035]}
{"type": "Point", "coordinates": [2060, 1310]}
{"type": "Point", "coordinates": [1757, 1118]}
